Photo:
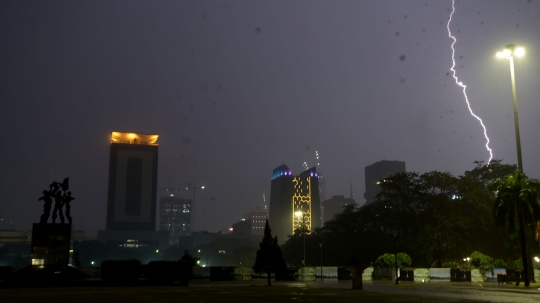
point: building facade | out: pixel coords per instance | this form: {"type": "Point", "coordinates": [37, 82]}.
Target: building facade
{"type": "Point", "coordinates": [258, 218]}
{"type": "Point", "coordinates": [175, 217]}
{"type": "Point", "coordinates": [131, 198]}
{"type": "Point", "coordinates": [376, 173]}
{"type": "Point", "coordinates": [335, 205]}
{"type": "Point", "coordinates": [294, 202]}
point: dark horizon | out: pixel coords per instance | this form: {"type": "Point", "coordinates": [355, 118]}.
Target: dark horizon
{"type": "Point", "coordinates": [235, 89]}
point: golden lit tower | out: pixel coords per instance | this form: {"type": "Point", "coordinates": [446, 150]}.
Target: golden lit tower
{"type": "Point", "coordinates": [290, 194]}
{"type": "Point", "coordinates": [131, 200]}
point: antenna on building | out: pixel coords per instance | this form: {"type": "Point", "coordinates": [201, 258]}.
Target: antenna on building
{"type": "Point", "coordinates": [322, 181]}
{"type": "Point", "coordinates": [305, 166]}
{"type": "Point", "coordinates": [351, 196]}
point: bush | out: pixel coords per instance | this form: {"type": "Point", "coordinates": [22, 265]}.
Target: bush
{"type": "Point", "coordinates": [168, 271]}
{"type": "Point", "coordinates": [481, 261]}
{"type": "Point", "coordinates": [451, 264]}
{"type": "Point", "coordinates": [389, 260]}
{"type": "Point", "coordinates": [519, 263]}
{"type": "Point", "coordinates": [120, 271]}
{"type": "Point", "coordinates": [499, 263]}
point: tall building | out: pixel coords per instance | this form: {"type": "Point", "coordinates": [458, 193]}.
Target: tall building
{"type": "Point", "coordinates": [175, 217]}
{"type": "Point", "coordinates": [258, 218]}
{"type": "Point", "coordinates": [334, 205]}
{"type": "Point", "coordinates": [131, 198]}
{"type": "Point", "coordinates": [376, 173]}
{"type": "Point", "coordinates": [292, 194]}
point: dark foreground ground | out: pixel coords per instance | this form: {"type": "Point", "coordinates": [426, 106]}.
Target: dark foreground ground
{"type": "Point", "coordinates": [254, 291]}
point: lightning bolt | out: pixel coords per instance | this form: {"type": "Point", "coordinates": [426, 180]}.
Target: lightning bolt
{"type": "Point", "coordinates": [463, 85]}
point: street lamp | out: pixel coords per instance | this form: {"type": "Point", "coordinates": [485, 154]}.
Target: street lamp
{"type": "Point", "coordinates": [301, 214]}
{"type": "Point", "coordinates": [509, 52]}
{"type": "Point", "coordinates": [395, 233]}
{"type": "Point", "coordinates": [320, 245]}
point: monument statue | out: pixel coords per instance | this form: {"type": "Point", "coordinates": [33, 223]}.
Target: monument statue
{"type": "Point", "coordinates": [61, 195]}
{"type": "Point", "coordinates": [68, 198]}
{"type": "Point", "coordinates": [51, 242]}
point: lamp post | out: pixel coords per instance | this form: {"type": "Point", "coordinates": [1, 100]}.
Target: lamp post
{"type": "Point", "coordinates": [395, 232]}
{"type": "Point", "coordinates": [320, 245]}
{"type": "Point", "coordinates": [509, 52]}
{"type": "Point", "coordinates": [301, 214]}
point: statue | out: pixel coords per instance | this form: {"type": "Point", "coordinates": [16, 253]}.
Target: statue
{"type": "Point", "coordinates": [68, 198]}
{"type": "Point", "coordinates": [58, 202]}
{"type": "Point", "coordinates": [47, 206]}
{"type": "Point", "coordinates": [61, 195]}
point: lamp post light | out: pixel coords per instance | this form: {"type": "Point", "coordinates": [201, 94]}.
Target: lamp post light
{"type": "Point", "coordinates": [395, 233]}
{"type": "Point", "coordinates": [301, 214]}
{"type": "Point", "coordinates": [509, 52]}
{"type": "Point", "coordinates": [320, 245]}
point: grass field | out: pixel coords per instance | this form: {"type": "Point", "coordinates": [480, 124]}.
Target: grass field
{"type": "Point", "coordinates": [200, 292]}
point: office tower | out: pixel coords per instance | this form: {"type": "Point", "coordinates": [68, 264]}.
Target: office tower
{"type": "Point", "coordinates": [376, 173]}
{"type": "Point", "coordinates": [258, 218]}
{"type": "Point", "coordinates": [175, 217]}
{"type": "Point", "coordinates": [131, 198]}
{"type": "Point", "coordinates": [290, 195]}
{"type": "Point", "coordinates": [335, 205]}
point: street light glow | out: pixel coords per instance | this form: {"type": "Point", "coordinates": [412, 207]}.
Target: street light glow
{"type": "Point", "coordinates": [510, 51]}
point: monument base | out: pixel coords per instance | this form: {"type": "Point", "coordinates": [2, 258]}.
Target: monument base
{"type": "Point", "coordinates": [51, 245]}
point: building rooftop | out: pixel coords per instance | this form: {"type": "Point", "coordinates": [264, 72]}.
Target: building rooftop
{"type": "Point", "coordinates": [134, 138]}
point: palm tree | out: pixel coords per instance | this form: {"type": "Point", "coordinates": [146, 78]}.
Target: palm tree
{"type": "Point", "coordinates": [516, 196]}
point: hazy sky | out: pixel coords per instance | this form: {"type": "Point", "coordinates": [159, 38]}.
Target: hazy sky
{"type": "Point", "coordinates": [237, 88]}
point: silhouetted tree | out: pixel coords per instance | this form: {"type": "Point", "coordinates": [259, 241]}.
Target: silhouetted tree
{"type": "Point", "coordinates": [517, 197]}
{"type": "Point", "coordinates": [269, 257]}
{"type": "Point", "coordinates": [190, 258]}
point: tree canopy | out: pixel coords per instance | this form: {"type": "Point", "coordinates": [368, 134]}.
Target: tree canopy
{"type": "Point", "coordinates": [269, 257]}
{"type": "Point", "coordinates": [439, 218]}
{"type": "Point", "coordinates": [516, 198]}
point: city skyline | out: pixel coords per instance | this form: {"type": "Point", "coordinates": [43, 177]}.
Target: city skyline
{"type": "Point", "coordinates": [235, 89]}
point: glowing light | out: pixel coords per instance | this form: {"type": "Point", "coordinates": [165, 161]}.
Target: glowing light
{"type": "Point", "coordinates": [298, 213]}
{"type": "Point", "coordinates": [133, 138]}
{"type": "Point", "coordinates": [520, 51]}
{"type": "Point", "coordinates": [463, 85]}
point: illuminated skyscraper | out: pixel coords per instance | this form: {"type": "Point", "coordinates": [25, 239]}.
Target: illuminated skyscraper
{"type": "Point", "coordinates": [131, 198]}
{"type": "Point", "coordinates": [131, 201]}
{"type": "Point", "coordinates": [175, 217]}
{"type": "Point", "coordinates": [290, 194]}
{"type": "Point", "coordinates": [376, 172]}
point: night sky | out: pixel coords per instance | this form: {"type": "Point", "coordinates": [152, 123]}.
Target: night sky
{"type": "Point", "coordinates": [237, 88]}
